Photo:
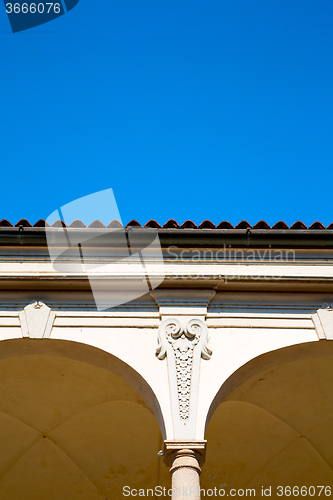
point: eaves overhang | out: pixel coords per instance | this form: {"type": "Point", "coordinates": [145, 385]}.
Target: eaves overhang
{"type": "Point", "coordinates": [185, 238]}
{"type": "Point", "coordinates": [25, 261]}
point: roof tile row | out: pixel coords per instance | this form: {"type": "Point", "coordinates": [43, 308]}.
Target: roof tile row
{"type": "Point", "coordinates": [171, 224]}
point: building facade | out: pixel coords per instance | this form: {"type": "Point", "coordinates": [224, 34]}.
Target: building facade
{"type": "Point", "coordinates": [219, 378]}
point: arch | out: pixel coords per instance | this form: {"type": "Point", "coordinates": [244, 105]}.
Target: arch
{"type": "Point", "coordinates": [71, 424]}
{"type": "Point", "coordinates": [271, 420]}
{"type": "Point", "coordinates": [249, 446]}
{"type": "Point", "coordinates": [90, 355]}
{"type": "Point", "coordinates": [298, 352]}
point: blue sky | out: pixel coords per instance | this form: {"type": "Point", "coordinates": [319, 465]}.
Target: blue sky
{"type": "Point", "coordinates": [188, 109]}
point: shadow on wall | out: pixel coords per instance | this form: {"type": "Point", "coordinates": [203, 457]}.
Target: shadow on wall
{"type": "Point", "coordinates": [271, 422]}
{"type": "Point", "coordinates": [70, 427]}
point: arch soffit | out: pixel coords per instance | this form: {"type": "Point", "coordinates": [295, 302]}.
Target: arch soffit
{"type": "Point", "coordinates": [89, 355]}
{"type": "Point", "coordinates": [272, 359]}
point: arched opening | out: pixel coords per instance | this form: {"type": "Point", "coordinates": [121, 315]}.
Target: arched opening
{"type": "Point", "coordinates": [72, 426]}
{"type": "Point", "coordinates": [272, 423]}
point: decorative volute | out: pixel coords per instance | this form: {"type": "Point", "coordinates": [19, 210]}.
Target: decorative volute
{"type": "Point", "coordinates": [182, 339]}
{"type": "Point", "coordinates": [183, 345]}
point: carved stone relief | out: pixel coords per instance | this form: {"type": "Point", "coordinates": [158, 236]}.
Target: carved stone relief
{"type": "Point", "coordinates": [183, 341]}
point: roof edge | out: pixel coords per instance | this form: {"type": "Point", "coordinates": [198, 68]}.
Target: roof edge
{"type": "Point", "coordinates": [186, 237]}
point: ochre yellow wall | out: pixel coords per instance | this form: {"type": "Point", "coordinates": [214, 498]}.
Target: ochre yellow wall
{"type": "Point", "coordinates": [70, 430]}
{"type": "Point", "coordinates": [274, 429]}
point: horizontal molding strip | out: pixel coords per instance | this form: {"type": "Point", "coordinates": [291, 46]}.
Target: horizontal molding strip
{"type": "Point", "coordinates": [259, 315]}
{"type": "Point", "coordinates": [303, 324]}
{"type": "Point", "coordinates": [181, 274]}
{"type": "Point", "coordinates": [11, 320]}
{"type": "Point", "coordinates": [90, 322]}
{"type": "Point", "coordinates": [152, 320]}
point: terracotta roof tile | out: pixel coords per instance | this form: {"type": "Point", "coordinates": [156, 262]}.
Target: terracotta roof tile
{"type": "Point", "coordinates": [97, 224]}
{"type": "Point", "coordinates": [261, 225]}
{"type": "Point", "coordinates": [225, 225]}
{"type": "Point", "coordinates": [243, 225]}
{"type": "Point", "coordinates": [298, 225]}
{"type": "Point", "coordinates": [77, 223]}
{"type": "Point", "coordinates": [23, 222]}
{"type": "Point", "coordinates": [188, 224]}
{"type": "Point", "coordinates": [115, 224]}
{"type": "Point", "coordinates": [153, 223]}
{"type": "Point", "coordinates": [280, 225]}
{"type": "Point", "coordinates": [41, 223]}
{"type": "Point", "coordinates": [133, 223]}
{"type": "Point", "coordinates": [171, 224]}
{"type": "Point", "coordinates": [59, 223]}
{"type": "Point", "coordinates": [317, 225]}
{"type": "Point", "coordinates": [207, 224]}
{"type": "Point", "coordinates": [5, 223]}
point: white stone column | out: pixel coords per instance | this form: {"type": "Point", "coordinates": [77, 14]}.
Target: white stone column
{"type": "Point", "coordinates": [185, 459]}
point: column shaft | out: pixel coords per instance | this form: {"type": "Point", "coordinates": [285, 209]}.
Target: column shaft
{"type": "Point", "coordinates": [185, 459]}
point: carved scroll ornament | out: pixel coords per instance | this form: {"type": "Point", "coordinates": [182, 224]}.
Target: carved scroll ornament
{"type": "Point", "coordinates": [183, 342]}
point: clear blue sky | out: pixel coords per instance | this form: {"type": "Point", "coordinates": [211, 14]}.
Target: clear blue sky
{"type": "Point", "coordinates": [188, 109]}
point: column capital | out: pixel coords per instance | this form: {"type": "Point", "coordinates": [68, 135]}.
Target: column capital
{"type": "Point", "coordinates": [185, 302]}
{"type": "Point", "coordinates": [185, 453]}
